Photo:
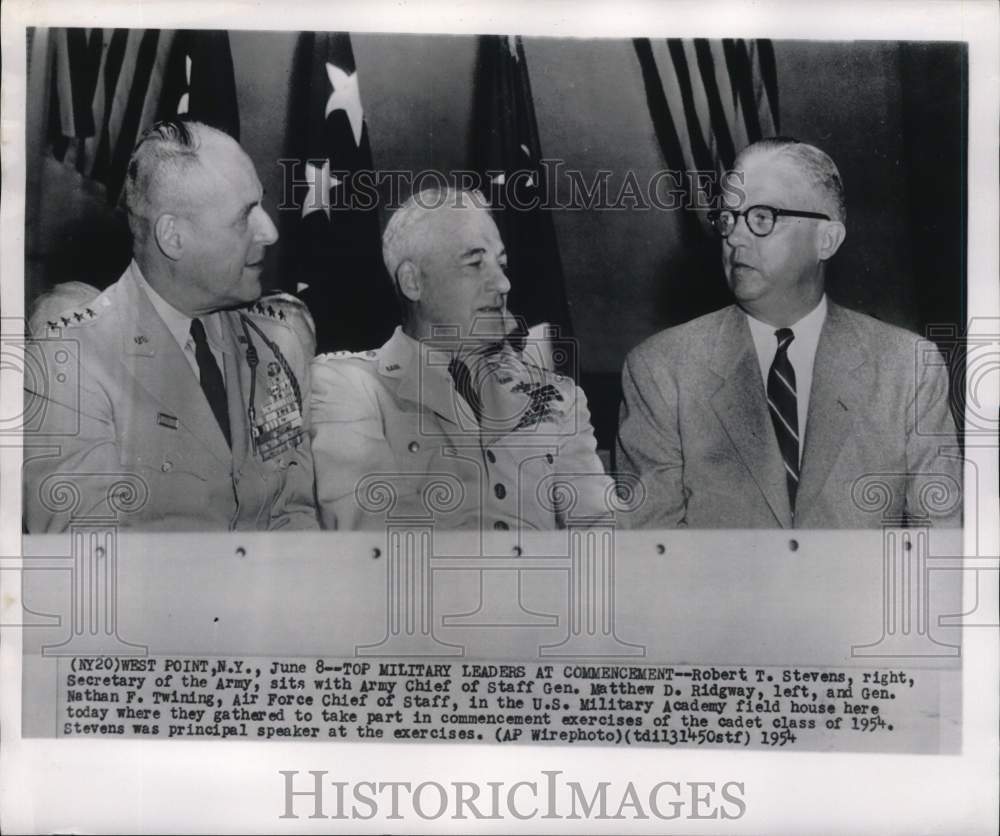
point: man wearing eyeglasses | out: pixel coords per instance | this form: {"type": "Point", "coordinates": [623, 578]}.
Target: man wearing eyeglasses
{"type": "Point", "coordinates": [785, 409]}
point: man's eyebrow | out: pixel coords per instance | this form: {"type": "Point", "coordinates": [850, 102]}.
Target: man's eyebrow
{"type": "Point", "coordinates": [473, 252]}
{"type": "Point", "coordinates": [250, 206]}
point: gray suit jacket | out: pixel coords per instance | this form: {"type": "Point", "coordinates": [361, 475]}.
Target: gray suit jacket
{"type": "Point", "coordinates": [880, 441]}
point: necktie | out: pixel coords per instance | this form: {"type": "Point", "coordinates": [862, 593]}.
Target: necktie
{"type": "Point", "coordinates": [211, 378]}
{"type": "Point", "coordinates": [783, 405]}
{"type": "Point", "coordinates": [463, 383]}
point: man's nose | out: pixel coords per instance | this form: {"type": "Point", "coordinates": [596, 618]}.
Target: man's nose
{"type": "Point", "coordinates": [265, 232]}
{"type": "Point", "coordinates": [498, 281]}
{"type": "Point", "coordinates": [741, 233]}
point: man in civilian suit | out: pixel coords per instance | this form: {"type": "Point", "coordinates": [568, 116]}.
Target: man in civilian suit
{"type": "Point", "coordinates": [785, 409]}
{"type": "Point", "coordinates": [174, 399]}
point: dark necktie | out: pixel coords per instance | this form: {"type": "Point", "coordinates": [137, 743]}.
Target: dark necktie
{"type": "Point", "coordinates": [211, 378]}
{"type": "Point", "coordinates": [783, 404]}
{"type": "Point", "coordinates": [463, 383]}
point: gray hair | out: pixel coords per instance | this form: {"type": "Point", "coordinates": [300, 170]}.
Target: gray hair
{"type": "Point", "coordinates": [163, 156]}
{"type": "Point", "coordinates": [402, 239]}
{"type": "Point", "coordinates": [817, 166]}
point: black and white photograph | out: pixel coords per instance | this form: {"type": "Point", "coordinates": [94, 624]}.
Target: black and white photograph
{"type": "Point", "coordinates": [484, 401]}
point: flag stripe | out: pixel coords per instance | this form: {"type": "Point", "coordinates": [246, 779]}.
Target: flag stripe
{"type": "Point", "coordinates": [699, 150]}
{"type": "Point", "coordinates": [741, 79]}
{"type": "Point", "coordinates": [724, 141]}
{"type": "Point", "coordinates": [769, 77]}
{"type": "Point", "coordinates": [113, 62]}
{"type": "Point", "coordinates": [132, 113]}
{"type": "Point", "coordinates": [656, 100]}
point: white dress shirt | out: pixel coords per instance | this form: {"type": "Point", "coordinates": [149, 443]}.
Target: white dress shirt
{"type": "Point", "coordinates": [801, 354]}
{"type": "Point", "coordinates": [179, 326]}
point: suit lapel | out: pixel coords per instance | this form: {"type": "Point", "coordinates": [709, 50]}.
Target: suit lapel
{"type": "Point", "coordinates": [158, 365]}
{"type": "Point", "coordinates": [840, 379]}
{"type": "Point", "coordinates": [741, 406]}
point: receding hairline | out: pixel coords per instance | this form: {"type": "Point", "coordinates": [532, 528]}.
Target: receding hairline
{"type": "Point", "coordinates": [813, 164]}
{"type": "Point", "coordinates": [429, 206]}
{"type": "Point", "coordinates": [170, 162]}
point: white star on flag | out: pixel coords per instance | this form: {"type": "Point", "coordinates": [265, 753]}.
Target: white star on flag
{"type": "Point", "coordinates": [320, 183]}
{"type": "Point", "coordinates": [346, 96]}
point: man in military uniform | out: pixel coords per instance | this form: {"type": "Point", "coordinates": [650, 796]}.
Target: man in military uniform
{"type": "Point", "coordinates": [177, 399]}
{"type": "Point", "coordinates": [447, 422]}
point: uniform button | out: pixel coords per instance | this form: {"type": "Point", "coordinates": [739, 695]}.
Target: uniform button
{"type": "Point", "coordinates": [548, 458]}
{"type": "Point", "coordinates": [413, 447]}
{"type": "Point", "coordinates": [499, 490]}
{"type": "Point", "coordinates": [490, 457]}
{"type": "Point", "coordinates": [166, 467]}
{"type": "Point", "coordinates": [500, 525]}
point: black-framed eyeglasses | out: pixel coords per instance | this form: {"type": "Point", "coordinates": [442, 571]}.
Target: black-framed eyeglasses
{"type": "Point", "coordinates": [760, 219]}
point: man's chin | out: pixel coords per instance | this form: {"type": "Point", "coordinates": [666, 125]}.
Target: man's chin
{"type": "Point", "coordinates": [491, 326]}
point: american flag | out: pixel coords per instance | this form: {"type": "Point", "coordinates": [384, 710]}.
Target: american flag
{"type": "Point", "coordinates": [709, 98]}
{"type": "Point", "coordinates": [110, 85]}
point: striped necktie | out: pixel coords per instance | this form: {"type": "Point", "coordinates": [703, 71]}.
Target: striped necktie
{"type": "Point", "coordinates": [783, 405]}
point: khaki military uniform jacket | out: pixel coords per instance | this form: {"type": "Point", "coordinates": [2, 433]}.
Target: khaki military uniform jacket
{"type": "Point", "coordinates": [120, 426]}
{"type": "Point", "coordinates": [394, 441]}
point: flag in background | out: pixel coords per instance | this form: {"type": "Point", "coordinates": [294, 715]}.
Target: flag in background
{"type": "Point", "coordinates": [200, 83]}
{"type": "Point", "coordinates": [506, 141]}
{"type": "Point", "coordinates": [709, 98]}
{"type": "Point", "coordinates": [337, 254]}
{"type": "Point", "coordinates": [110, 85]}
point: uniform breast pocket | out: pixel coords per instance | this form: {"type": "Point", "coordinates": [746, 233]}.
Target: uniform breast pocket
{"type": "Point", "coordinates": [164, 452]}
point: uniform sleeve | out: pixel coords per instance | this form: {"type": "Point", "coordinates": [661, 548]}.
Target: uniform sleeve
{"type": "Point", "coordinates": [349, 446]}
{"type": "Point", "coordinates": [648, 447]}
{"type": "Point", "coordinates": [71, 452]}
{"type": "Point", "coordinates": [581, 468]}
{"type": "Point", "coordinates": [933, 456]}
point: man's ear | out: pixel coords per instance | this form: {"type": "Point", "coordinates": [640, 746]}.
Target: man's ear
{"type": "Point", "coordinates": [831, 236]}
{"type": "Point", "coordinates": [168, 236]}
{"type": "Point", "coordinates": [408, 278]}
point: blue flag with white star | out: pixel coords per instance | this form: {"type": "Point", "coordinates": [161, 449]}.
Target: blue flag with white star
{"type": "Point", "coordinates": [337, 249]}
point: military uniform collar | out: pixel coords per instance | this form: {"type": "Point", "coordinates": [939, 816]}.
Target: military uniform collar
{"type": "Point", "coordinates": [177, 324]}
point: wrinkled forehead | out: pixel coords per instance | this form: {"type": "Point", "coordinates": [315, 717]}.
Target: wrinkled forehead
{"type": "Point", "coordinates": [772, 179]}
{"type": "Point", "coordinates": [225, 171]}
{"type": "Point", "coordinates": [454, 230]}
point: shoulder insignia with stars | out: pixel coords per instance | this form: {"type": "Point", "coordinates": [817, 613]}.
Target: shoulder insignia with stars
{"type": "Point", "coordinates": [73, 317]}
{"type": "Point", "coordinates": [348, 355]}
{"type": "Point", "coordinates": [282, 308]}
